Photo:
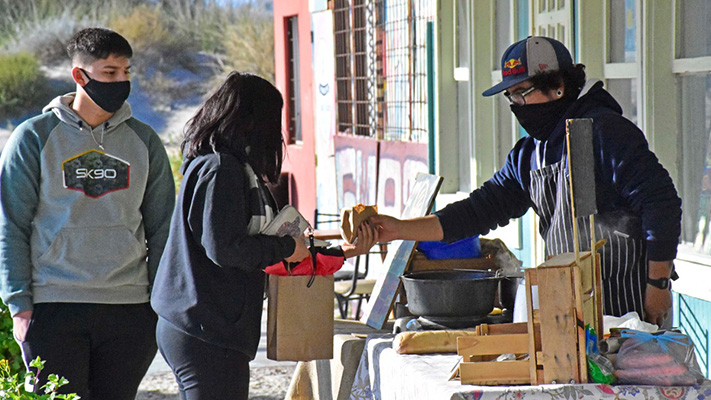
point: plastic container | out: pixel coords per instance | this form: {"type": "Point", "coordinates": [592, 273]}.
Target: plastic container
{"type": "Point", "coordinates": [464, 248]}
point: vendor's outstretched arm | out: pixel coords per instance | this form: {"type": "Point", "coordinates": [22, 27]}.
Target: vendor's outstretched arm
{"type": "Point", "coordinates": [421, 229]}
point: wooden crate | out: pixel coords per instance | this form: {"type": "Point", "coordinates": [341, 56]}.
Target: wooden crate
{"type": "Point", "coordinates": [420, 263]}
{"type": "Point", "coordinates": [569, 298]}
{"type": "Point", "coordinates": [478, 366]}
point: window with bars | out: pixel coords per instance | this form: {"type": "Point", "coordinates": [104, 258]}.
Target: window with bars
{"type": "Point", "coordinates": [381, 67]}
{"type": "Point", "coordinates": [351, 77]}
{"type": "Point", "coordinates": [293, 109]}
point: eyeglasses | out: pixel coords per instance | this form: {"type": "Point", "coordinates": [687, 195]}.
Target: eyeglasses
{"type": "Point", "coordinates": [519, 97]}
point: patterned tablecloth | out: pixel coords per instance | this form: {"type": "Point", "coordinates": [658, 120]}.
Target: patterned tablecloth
{"type": "Point", "coordinates": [385, 375]}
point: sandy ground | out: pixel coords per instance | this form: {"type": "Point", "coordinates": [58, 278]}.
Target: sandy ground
{"type": "Point", "coordinates": [4, 135]}
{"type": "Point", "coordinates": [266, 383]}
{"type": "Point", "coordinates": [269, 380]}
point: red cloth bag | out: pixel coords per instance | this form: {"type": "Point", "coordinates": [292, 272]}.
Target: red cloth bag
{"type": "Point", "coordinates": [328, 261]}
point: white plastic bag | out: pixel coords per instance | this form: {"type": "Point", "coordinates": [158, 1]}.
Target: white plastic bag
{"type": "Point", "coordinates": [631, 320]}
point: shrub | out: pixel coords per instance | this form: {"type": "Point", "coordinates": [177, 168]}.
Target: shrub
{"type": "Point", "coordinates": [250, 44]}
{"type": "Point", "coordinates": [12, 388]}
{"type": "Point", "coordinates": [22, 84]}
{"type": "Point", "coordinates": [43, 27]}
{"type": "Point", "coordinates": [202, 20]}
{"type": "Point", "coordinates": [151, 35]}
{"type": "Point", "coordinates": [176, 161]}
{"type": "Point", "coordinates": [47, 39]}
{"type": "Point", "coordinates": [159, 49]}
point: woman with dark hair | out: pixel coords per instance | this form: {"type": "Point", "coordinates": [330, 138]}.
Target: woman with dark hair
{"type": "Point", "coordinates": [209, 287]}
{"type": "Point", "coordinates": [639, 211]}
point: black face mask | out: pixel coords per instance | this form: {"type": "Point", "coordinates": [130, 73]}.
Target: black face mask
{"type": "Point", "coordinates": [110, 96]}
{"type": "Point", "coordinates": [540, 119]}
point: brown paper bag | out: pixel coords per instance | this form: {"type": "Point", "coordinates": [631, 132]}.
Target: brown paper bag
{"type": "Point", "coordinates": [300, 318]}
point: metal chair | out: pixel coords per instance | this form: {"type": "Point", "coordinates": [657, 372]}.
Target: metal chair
{"type": "Point", "coordinates": [329, 218]}
{"type": "Point", "coordinates": [357, 287]}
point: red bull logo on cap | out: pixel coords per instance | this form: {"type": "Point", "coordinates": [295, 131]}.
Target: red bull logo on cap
{"type": "Point", "coordinates": [512, 63]}
{"type": "Point", "coordinates": [513, 67]}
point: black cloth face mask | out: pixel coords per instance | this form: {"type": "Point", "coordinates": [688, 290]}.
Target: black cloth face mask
{"type": "Point", "coordinates": [110, 96]}
{"type": "Point", "coordinates": [539, 120]}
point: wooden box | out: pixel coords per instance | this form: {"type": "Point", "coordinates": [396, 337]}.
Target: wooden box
{"type": "Point", "coordinates": [478, 366]}
{"type": "Point", "coordinates": [421, 263]}
{"type": "Point", "coordinates": [569, 298]}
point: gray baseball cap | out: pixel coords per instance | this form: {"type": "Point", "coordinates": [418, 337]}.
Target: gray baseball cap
{"type": "Point", "coordinates": [529, 57]}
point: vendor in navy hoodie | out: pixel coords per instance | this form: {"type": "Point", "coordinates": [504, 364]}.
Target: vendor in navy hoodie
{"type": "Point", "coordinates": [210, 283]}
{"type": "Point", "coordinates": [639, 210]}
{"type": "Point", "coordinates": [86, 198]}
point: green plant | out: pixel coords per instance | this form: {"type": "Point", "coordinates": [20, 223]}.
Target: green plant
{"type": "Point", "coordinates": [22, 84]}
{"type": "Point", "coordinates": [12, 388]}
{"type": "Point", "coordinates": [176, 160]}
{"type": "Point", "coordinates": [10, 352]}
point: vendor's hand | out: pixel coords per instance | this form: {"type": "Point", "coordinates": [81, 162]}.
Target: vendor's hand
{"type": "Point", "coordinates": [387, 227]}
{"type": "Point", "coordinates": [300, 251]}
{"type": "Point", "coordinates": [657, 305]}
{"type": "Point", "coordinates": [20, 323]}
{"type": "Point", "coordinates": [366, 237]}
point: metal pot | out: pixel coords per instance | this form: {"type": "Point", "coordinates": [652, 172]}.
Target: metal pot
{"type": "Point", "coordinates": [451, 293]}
{"type": "Point", "coordinates": [507, 291]}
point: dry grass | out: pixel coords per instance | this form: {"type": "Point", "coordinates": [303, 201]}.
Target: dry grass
{"type": "Point", "coordinates": [181, 47]}
{"type": "Point", "coordinates": [250, 45]}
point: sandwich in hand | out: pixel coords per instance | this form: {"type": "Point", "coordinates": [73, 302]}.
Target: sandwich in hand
{"type": "Point", "coordinates": [351, 219]}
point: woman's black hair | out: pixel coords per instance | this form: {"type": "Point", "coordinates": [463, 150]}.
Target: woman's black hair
{"type": "Point", "coordinates": [242, 117]}
{"type": "Point", "coordinates": [572, 79]}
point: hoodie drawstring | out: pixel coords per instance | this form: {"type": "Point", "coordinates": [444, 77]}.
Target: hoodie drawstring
{"type": "Point", "coordinates": [103, 130]}
{"type": "Point", "coordinates": [91, 133]}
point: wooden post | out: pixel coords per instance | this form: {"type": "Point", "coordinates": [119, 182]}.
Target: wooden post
{"type": "Point", "coordinates": [576, 244]}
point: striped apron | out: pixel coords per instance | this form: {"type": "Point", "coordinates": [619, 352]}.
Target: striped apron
{"type": "Point", "coordinates": [623, 259]}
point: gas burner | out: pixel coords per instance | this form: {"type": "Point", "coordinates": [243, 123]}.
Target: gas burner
{"type": "Point", "coordinates": [437, 323]}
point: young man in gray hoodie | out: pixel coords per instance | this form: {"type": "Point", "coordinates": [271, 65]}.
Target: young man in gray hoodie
{"type": "Point", "coordinates": [86, 195]}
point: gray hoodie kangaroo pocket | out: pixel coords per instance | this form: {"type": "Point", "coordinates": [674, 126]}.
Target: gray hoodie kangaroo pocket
{"type": "Point", "coordinates": [95, 256]}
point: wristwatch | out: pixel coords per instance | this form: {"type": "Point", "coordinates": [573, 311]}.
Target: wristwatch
{"type": "Point", "coordinates": [661, 283]}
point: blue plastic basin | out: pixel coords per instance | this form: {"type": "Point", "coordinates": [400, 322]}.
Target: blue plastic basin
{"type": "Point", "coordinates": [464, 248]}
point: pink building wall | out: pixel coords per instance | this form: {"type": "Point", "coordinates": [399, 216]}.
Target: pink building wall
{"type": "Point", "coordinates": [300, 159]}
